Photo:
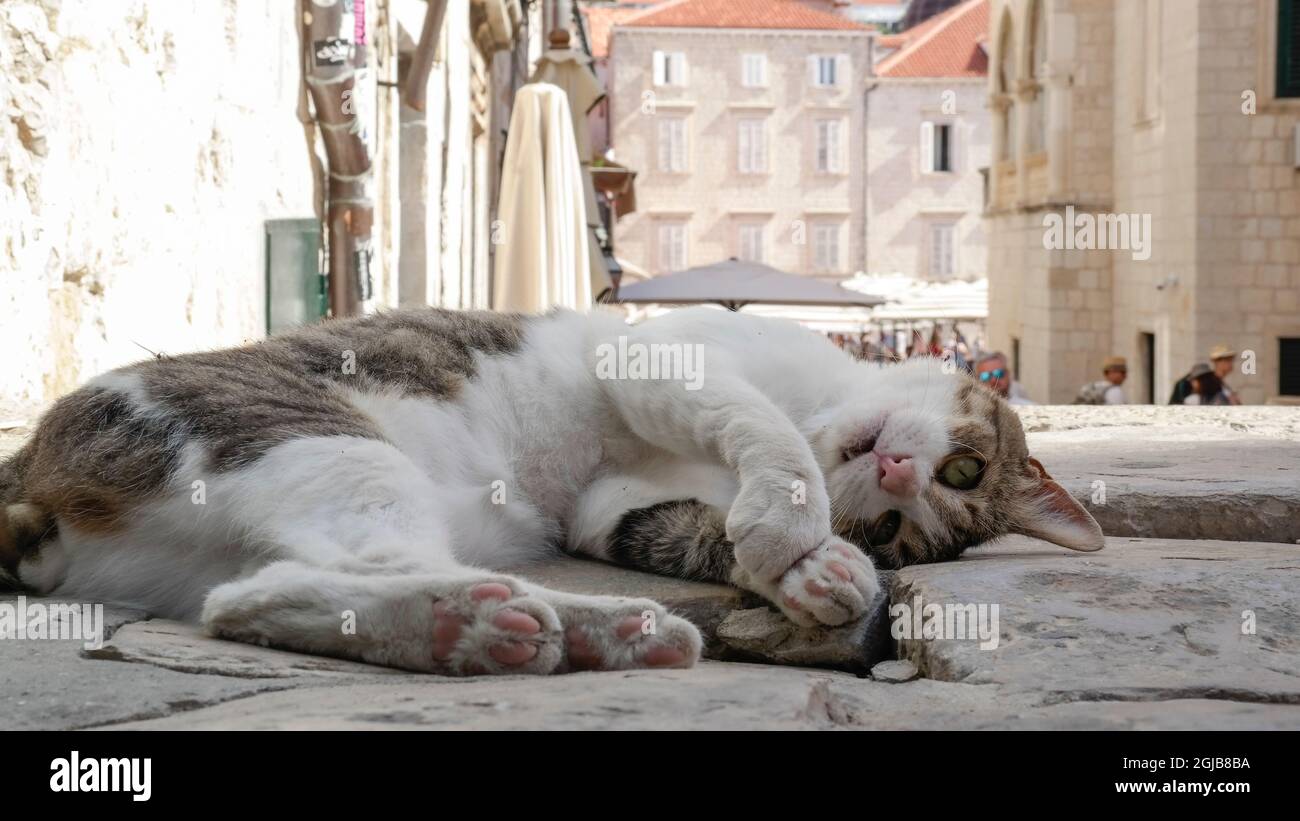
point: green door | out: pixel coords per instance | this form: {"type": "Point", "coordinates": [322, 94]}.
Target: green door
{"type": "Point", "coordinates": [295, 282]}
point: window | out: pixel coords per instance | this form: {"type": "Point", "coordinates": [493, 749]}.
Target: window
{"type": "Point", "coordinates": [751, 143]}
{"type": "Point", "coordinates": [1288, 49]}
{"type": "Point", "coordinates": [1288, 369]}
{"type": "Point", "coordinates": [826, 70]}
{"type": "Point", "coordinates": [672, 145]}
{"type": "Point", "coordinates": [751, 243]}
{"type": "Point", "coordinates": [670, 68]}
{"type": "Point", "coordinates": [672, 247]}
{"type": "Point", "coordinates": [941, 250]}
{"type": "Point", "coordinates": [829, 151]}
{"type": "Point", "coordinates": [936, 147]}
{"type": "Point", "coordinates": [753, 70]}
{"type": "Point", "coordinates": [826, 247]}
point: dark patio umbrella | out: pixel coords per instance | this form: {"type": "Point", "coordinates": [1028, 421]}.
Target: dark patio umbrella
{"type": "Point", "coordinates": [735, 284]}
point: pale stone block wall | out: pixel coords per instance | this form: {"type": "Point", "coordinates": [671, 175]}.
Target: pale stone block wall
{"type": "Point", "coordinates": [901, 199]}
{"type": "Point", "coordinates": [146, 144]}
{"type": "Point", "coordinates": [1219, 183]}
{"type": "Point", "coordinates": [712, 197]}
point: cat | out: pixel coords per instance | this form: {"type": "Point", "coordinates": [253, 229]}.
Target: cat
{"type": "Point", "coordinates": [386, 470]}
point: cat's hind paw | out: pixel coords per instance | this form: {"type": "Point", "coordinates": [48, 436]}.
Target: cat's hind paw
{"type": "Point", "coordinates": [608, 633]}
{"type": "Point", "coordinates": [492, 627]}
{"type": "Point", "coordinates": [832, 585]}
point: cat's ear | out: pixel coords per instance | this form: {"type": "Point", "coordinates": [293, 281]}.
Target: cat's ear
{"type": "Point", "coordinates": [1052, 514]}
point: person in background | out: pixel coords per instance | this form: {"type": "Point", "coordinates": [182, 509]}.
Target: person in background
{"type": "Point", "coordinates": [1107, 391]}
{"type": "Point", "coordinates": [1207, 388]}
{"type": "Point", "coordinates": [992, 372]}
{"type": "Point", "coordinates": [935, 348]}
{"type": "Point", "coordinates": [1222, 360]}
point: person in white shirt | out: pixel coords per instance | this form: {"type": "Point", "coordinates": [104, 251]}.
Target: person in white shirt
{"type": "Point", "coordinates": [1115, 371]}
{"type": "Point", "coordinates": [1107, 391]}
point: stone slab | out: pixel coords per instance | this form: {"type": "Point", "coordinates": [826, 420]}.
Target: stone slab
{"type": "Point", "coordinates": [1143, 619]}
{"type": "Point", "coordinates": [185, 648]}
{"type": "Point", "coordinates": [50, 684]}
{"type": "Point", "coordinates": [1176, 472]}
{"type": "Point", "coordinates": [713, 696]}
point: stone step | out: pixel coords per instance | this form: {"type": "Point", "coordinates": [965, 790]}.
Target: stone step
{"type": "Point", "coordinates": [1176, 472]}
{"type": "Point", "coordinates": [1141, 620]}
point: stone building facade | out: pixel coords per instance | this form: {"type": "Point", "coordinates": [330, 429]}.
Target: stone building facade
{"type": "Point", "coordinates": [1164, 112]}
{"type": "Point", "coordinates": [928, 133]}
{"type": "Point", "coordinates": [747, 135]}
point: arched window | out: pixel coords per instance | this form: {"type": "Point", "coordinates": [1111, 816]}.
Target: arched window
{"type": "Point", "coordinates": [1037, 113]}
{"type": "Point", "coordinates": [1004, 100]}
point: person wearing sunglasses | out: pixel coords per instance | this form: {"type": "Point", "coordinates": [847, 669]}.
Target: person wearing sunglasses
{"type": "Point", "coordinates": [992, 372]}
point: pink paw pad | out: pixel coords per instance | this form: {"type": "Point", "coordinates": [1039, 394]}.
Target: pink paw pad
{"type": "Point", "coordinates": [448, 627]}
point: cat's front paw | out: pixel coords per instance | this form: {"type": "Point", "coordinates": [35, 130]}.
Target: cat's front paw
{"type": "Point", "coordinates": [832, 585]}
{"type": "Point", "coordinates": [773, 531]}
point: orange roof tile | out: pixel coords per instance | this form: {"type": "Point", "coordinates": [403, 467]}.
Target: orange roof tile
{"type": "Point", "coordinates": [946, 45]}
{"type": "Point", "coordinates": [741, 14]}
{"type": "Point", "coordinates": [600, 19]}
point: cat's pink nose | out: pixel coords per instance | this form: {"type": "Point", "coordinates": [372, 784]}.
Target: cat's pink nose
{"type": "Point", "coordinates": [898, 475]}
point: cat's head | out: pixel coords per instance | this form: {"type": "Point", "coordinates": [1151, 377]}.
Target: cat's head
{"type": "Point", "coordinates": [922, 464]}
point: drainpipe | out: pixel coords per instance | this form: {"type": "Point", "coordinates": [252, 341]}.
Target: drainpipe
{"type": "Point", "coordinates": [422, 60]}
{"type": "Point", "coordinates": [332, 58]}
{"type": "Point", "coordinates": [872, 83]}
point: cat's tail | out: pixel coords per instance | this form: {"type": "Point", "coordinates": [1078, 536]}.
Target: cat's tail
{"type": "Point", "coordinates": [23, 525]}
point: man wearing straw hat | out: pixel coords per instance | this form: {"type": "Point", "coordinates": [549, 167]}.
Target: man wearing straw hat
{"type": "Point", "coordinates": [1107, 391]}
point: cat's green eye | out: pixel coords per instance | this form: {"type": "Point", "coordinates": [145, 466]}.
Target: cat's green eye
{"type": "Point", "coordinates": [961, 472]}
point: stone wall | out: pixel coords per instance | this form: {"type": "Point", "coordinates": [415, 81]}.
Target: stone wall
{"type": "Point", "coordinates": [1148, 115]}
{"type": "Point", "coordinates": [142, 147]}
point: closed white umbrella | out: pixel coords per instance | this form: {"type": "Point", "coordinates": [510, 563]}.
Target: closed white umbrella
{"type": "Point", "coordinates": [543, 260]}
{"type": "Point", "coordinates": [571, 70]}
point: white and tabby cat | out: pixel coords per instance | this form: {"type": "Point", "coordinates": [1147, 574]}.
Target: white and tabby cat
{"type": "Point", "coordinates": [391, 466]}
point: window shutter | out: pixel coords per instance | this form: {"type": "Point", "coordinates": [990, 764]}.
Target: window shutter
{"type": "Point", "coordinates": [927, 147]}
{"type": "Point", "coordinates": [812, 70]}
{"type": "Point", "coordinates": [762, 70]}
{"type": "Point", "coordinates": [1288, 49]}
{"type": "Point", "coordinates": [681, 72]}
{"type": "Point", "coordinates": [665, 157]}
{"type": "Point", "coordinates": [660, 68]}
{"type": "Point", "coordinates": [834, 148]}
{"type": "Point", "coordinates": [842, 70]}
{"type": "Point", "coordinates": [743, 148]}
{"type": "Point", "coordinates": [760, 147]}
{"type": "Point", "coordinates": [679, 145]}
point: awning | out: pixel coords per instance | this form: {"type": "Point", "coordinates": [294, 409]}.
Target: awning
{"type": "Point", "coordinates": [910, 299]}
{"type": "Point", "coordinates": [617, 182]}
{"type": "Point", "coordinates": [735, 284]}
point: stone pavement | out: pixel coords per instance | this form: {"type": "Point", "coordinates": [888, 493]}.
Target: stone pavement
{"type": "Point", "coordinates": [1159, 632]}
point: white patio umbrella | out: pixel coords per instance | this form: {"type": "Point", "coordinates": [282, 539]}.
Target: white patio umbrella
{"type": "Point", "coordinates": [543, 260]}
{"type": "Point", "coordinates": [570, 69]}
